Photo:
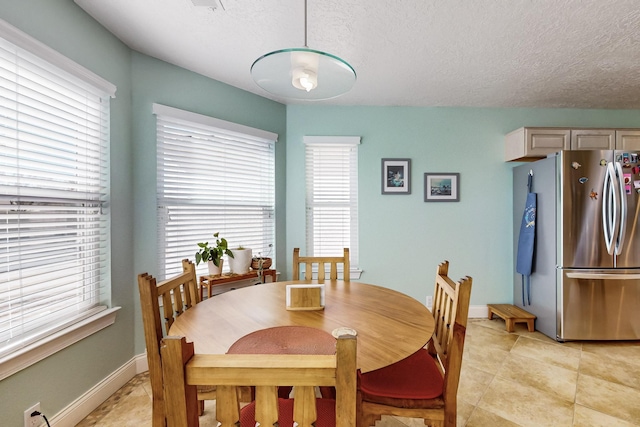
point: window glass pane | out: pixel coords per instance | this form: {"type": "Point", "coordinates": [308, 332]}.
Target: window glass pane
{"type": "Point", "coordinates": [212, 179]}
{"type": "Point", "coordinates": [54, 221]}
{"type": "Point", "coordinates": [332, 196]}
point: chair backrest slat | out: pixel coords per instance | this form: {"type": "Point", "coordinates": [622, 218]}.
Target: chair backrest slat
{"type": "Point", "coordinates": [322, 263]}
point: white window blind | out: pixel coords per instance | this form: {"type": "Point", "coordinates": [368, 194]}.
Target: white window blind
{"type": "Point", "coordinates": [332, 196]}
{"type": "Point", "coordinates": [213, 176]}
{"type": "Point", "coordinates": [54, 176]}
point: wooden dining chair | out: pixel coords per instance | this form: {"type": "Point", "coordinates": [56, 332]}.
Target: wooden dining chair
{"type": "Point", "coordinates": [425, 384]}
{"type": "Point", "coordinates": [183, 371]}
{"type": "Point", "coordinates": [321, 263]}
{"type": "Point", "coordinates": [178, 294]}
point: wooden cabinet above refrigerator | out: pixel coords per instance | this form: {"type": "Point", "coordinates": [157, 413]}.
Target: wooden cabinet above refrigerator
{"type": "Point", "coordinates": [532, 143]}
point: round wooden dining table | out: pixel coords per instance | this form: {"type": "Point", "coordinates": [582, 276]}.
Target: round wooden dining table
{"type": "Point", "coordinates": [389, 324]}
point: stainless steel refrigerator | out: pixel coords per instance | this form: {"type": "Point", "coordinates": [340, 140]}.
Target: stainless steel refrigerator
{"type": "Point", "coordinates": [585, 283]}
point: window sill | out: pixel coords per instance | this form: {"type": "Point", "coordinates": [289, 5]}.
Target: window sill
{"type": "Point", "coordinates": [35, 352]}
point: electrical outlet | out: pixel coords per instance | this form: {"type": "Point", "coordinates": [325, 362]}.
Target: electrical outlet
{"type": "Point", "coordinates": [429, 301]}
{"type": "Point", "coordinates": [30, 421]}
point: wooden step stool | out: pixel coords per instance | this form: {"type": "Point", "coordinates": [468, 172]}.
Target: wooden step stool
{"type": "Point", "coordinates": [512, 315]}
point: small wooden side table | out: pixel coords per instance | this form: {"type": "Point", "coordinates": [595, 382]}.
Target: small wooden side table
{"type": "Point", "coordinates": [209, 281]}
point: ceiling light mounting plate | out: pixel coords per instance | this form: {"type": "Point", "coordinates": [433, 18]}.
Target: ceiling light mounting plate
{"type": "Point", "coordinates": [213, 4]}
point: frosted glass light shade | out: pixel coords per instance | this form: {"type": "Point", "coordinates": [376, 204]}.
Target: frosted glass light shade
{"type": "Point", "coordinates": [289, 73]}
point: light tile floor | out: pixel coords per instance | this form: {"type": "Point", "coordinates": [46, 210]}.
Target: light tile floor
{"type": "Point", "coordinates": [508, 380]}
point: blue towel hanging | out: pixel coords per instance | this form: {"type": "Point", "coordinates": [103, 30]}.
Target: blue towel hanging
{"type": "Point", "coordinates": [526, 242]}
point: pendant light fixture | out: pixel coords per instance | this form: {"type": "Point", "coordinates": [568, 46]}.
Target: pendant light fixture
{"type": "Point", "coordinates": [303, 73]}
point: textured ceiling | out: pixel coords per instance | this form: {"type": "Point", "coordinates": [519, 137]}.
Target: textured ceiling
{"type": "Point", "coordinates": [481, 53]}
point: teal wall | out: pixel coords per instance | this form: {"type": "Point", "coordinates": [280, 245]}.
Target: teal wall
{"type": "Point", "coordinates": [402, 238]}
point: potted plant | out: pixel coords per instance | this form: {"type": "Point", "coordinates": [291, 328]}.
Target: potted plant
{"type": "Point", "coordinates": [241, 260]}
{"type": "Point", "coordinates": [213, 254]}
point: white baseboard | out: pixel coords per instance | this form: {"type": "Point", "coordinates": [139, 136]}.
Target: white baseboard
{"type": "Point", "coordinates": [478, 312]}
{"type": "Point", "coordinates": [85, 404]}
{"type": "Point", "coordinates": [142, 364]}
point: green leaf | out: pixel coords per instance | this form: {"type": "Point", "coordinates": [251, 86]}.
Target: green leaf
{"type": "Point", "coordinates": [213, 253]}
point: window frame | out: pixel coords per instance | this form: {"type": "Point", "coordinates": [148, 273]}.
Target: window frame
{"type": "Point", "coordinates": [100, 316]}
{"type": "Point", "coordinates": [349, 147]}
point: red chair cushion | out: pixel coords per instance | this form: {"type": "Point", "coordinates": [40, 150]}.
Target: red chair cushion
{"type": "Point", "coordinates": [325, 408]}
{"type": "Point", "coordinates": [416, 377]}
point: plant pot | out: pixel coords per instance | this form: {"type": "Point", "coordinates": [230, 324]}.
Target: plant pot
{"type": "Point", "coordinates": [241, 261]}
{"type": "Point", "coordinates": [213, 270]}
{"type": "Point", "coordinates": [266, 263]}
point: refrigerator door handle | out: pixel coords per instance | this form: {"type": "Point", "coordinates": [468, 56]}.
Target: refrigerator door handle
{"type": "Point", "coordinates": [609, 208]}
{"type": "Point", "coordinates": [602, 276]}
{"type": "Point", "coordinates": [623, 209]}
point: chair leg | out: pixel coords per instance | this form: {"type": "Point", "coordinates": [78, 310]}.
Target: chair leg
{"type": "Point", "coordinates": [246, 394]}
{"type": "Point", "coordinates": [328, 392]}
{"type": "Point", "coordinates": [450, 414]}
{"type": "Point", "coordinates": [200, 407]}
{"type": "Point", "coordinates": [157, 413]}
{"type": "Point", "coordinates": [359, 410]}
{"type": "Point", "coordinates": [363, 418]}
{"type": "Point", "coordinates": [368, 420]}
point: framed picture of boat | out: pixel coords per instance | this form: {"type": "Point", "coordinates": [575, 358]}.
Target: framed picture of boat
{"type": "Point", "coordinates": [441, 187]}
